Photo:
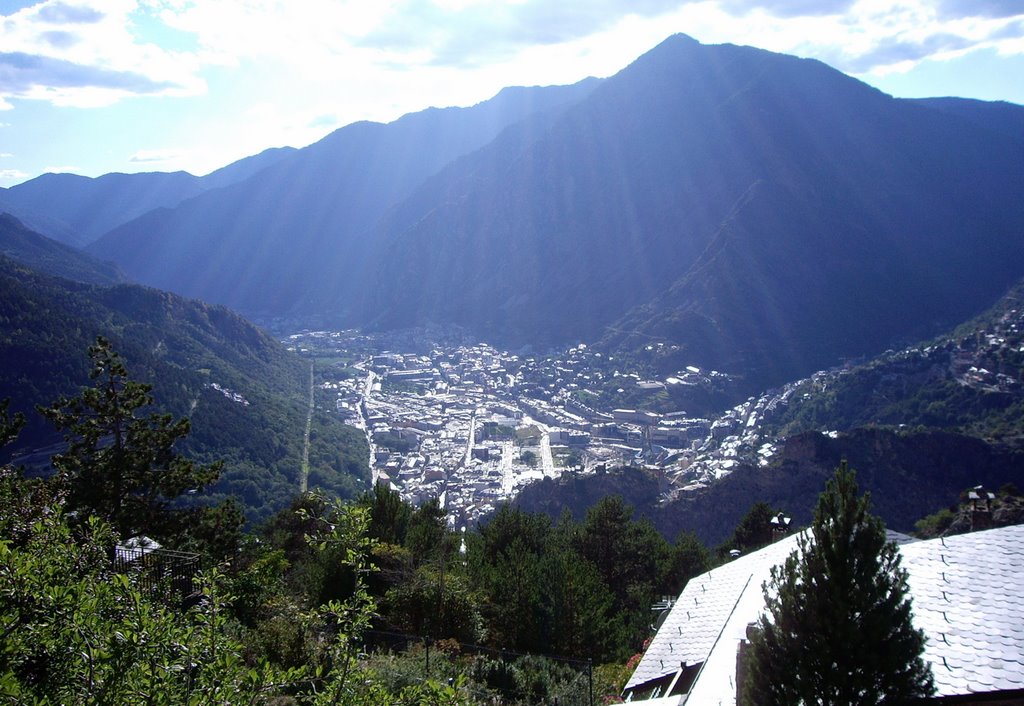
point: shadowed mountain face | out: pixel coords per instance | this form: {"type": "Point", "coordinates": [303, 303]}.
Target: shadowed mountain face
{"type": "Point", "coordinates": [46, 255]}
{"type": "Point", "coordinates": [292, 238]}
{"type": "Point", "coordinates": [765, 214]}
{"type": "Point", "coordinates": [756, 212]}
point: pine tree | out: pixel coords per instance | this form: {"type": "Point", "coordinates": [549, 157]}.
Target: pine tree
{"type": "Point", "coordinates": [838, 624]}
{"type": "Point", "coordinates": [121, 465]}
{"type": "Point", "coordinates": [10, 425]}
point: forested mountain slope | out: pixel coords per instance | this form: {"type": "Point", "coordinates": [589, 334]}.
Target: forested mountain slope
{"type": "Point", "coordinates": [247, 397]}
{"type": "Point", "coordinates": [52, 257]}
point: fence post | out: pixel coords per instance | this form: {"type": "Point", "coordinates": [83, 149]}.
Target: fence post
{"type": "Point", "coordinates": [590, 680]}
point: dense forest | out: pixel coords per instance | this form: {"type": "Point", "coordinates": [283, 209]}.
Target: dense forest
{"type": "Point", "coordinates": [520, 608]}
{"type": "Point", "coordinates": [365, 601]}
{"type": "Point", "coordinates": [246, 395]}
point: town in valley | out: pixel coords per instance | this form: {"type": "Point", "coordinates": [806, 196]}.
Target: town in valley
{"type": "Point", "coordinates": [471, 425]}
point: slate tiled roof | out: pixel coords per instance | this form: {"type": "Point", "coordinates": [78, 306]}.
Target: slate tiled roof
{"type": "Point", "coordinates": [695, 622]}
{"type": "Point", "coordinates": [968, 594]}
{"type": "Point", "coordinates": [969, 599]}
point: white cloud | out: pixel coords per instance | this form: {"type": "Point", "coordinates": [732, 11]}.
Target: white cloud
{"type": "Point", "coordinates": [12, 175]}
{"type": "Point", "coordinates": [280, 72]}
{"type": "Point", "coordinates": [62, 13]}
{"type": "Point", "coordinates": [87, 55]}
{"type": "Point", "coordinates": [861, 36]}
{"type": "Point", "coordinates": [155, 156]}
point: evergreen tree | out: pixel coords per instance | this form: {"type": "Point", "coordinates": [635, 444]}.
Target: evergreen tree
{"type": "Point", "coordinates": [389, 514]}
{"type": "Point", "coordinates": [120, 465]}
{"type": "Point", "coordinates": [631, 558]}
{"type": "Point", "coordinates": [427, 535]}
{"type": "Point", "coordinates": [753, 531]}
{"type": "Point", "coordinates": [838, 624]}
{"type": "Point", "coordinates": [10, 426]}
{"type": "Point", "coordinates": [689, 558]}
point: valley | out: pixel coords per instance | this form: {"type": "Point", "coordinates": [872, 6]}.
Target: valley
{"type": "Point", "coordinates": [689, 268]}
{"type": "Point", "coordinates": [472, 425]}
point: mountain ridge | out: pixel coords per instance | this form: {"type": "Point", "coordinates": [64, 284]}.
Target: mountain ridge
{"type": "Point", "coordinates": [26, 246]}
{"type": "Point", "coordinates": [607, 212]}
{"type": "Point", "coordinates": [76, 210]}
{"type": "Point", "coordinates": [310, 210]}
{"type": "Point", "coordinates": [246, 396]}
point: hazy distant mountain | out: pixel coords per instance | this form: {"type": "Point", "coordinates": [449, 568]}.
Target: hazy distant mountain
{"type": "Point", "coordinates": [245, 168]}
{"type": "Point", "coordinates": [998, 116]}
{"type": "Point", "coordinates": [88, 207]}
{"type": "Point", "coordinates": [80, 209]}
{"type": "Point", "coordinates": [47, 255]}
{"type": "Point", "coordinates": [272, 245]}
{"type": "Point", "coordinates": [752, 211]}
{"type": "Point", "coordinates": [247, 396]}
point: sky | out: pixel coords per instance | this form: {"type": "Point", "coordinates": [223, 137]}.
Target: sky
{"type": "Point", "coordinates": [98, 86]}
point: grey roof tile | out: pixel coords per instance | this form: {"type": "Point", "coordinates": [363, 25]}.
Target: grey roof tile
{"type": "Point", "coordinates": [968, 594]}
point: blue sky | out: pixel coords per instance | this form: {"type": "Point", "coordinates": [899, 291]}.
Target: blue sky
{"type": "Point", "coordinates": [96, 86]}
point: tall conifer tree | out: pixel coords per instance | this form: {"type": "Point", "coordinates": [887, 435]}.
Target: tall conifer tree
{"type": "Point", "coordinates": [838, 624]}
{"type": "Point", "coordinates": [120, 463]}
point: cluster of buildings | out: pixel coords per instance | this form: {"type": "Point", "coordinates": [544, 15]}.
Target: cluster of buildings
{"type": "Point", "coordinates": [471, 425]}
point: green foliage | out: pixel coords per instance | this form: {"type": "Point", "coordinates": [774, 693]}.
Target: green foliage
{"type": "Point", "coordinates": [497, 432]}
{"type": "Point", "coordinates": [753, 531]}
{"type": "Point", "coordinates": [119, 465]}
{"type": "Point", "coordinates": [581, 590]}
{"type": "Point", "coordinates": [392, 441]}
{"type": "Point", "coordinates": [77, 633]}
{"type": "Point", "coordinates": [631, 558]}
{"type": "Point", "coordinates": [837, 627]}
{"type": "Point", "coordinates": [434, 602]}
{"type": "Point", "coordinates": [933, 525]}
{"type": "Point", "coordinates": [184, 349]}
{"type": "Point", "coordinates": [689, 558]}
{"type": "Point", "coordinates": [10, 425]}
{"type": "Point", "coordinates": [427, 536]}
{"type": "Point", "coordinates": [389, 514]}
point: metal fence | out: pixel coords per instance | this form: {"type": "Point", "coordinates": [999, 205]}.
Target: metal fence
{"type": "Point", "coordinates": [162, 573]}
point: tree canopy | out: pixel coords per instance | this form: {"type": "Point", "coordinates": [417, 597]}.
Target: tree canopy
{"type": "Point", "coordinates": [120, 463]}
{"type": "Point", "coordinates": [838, 624]}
